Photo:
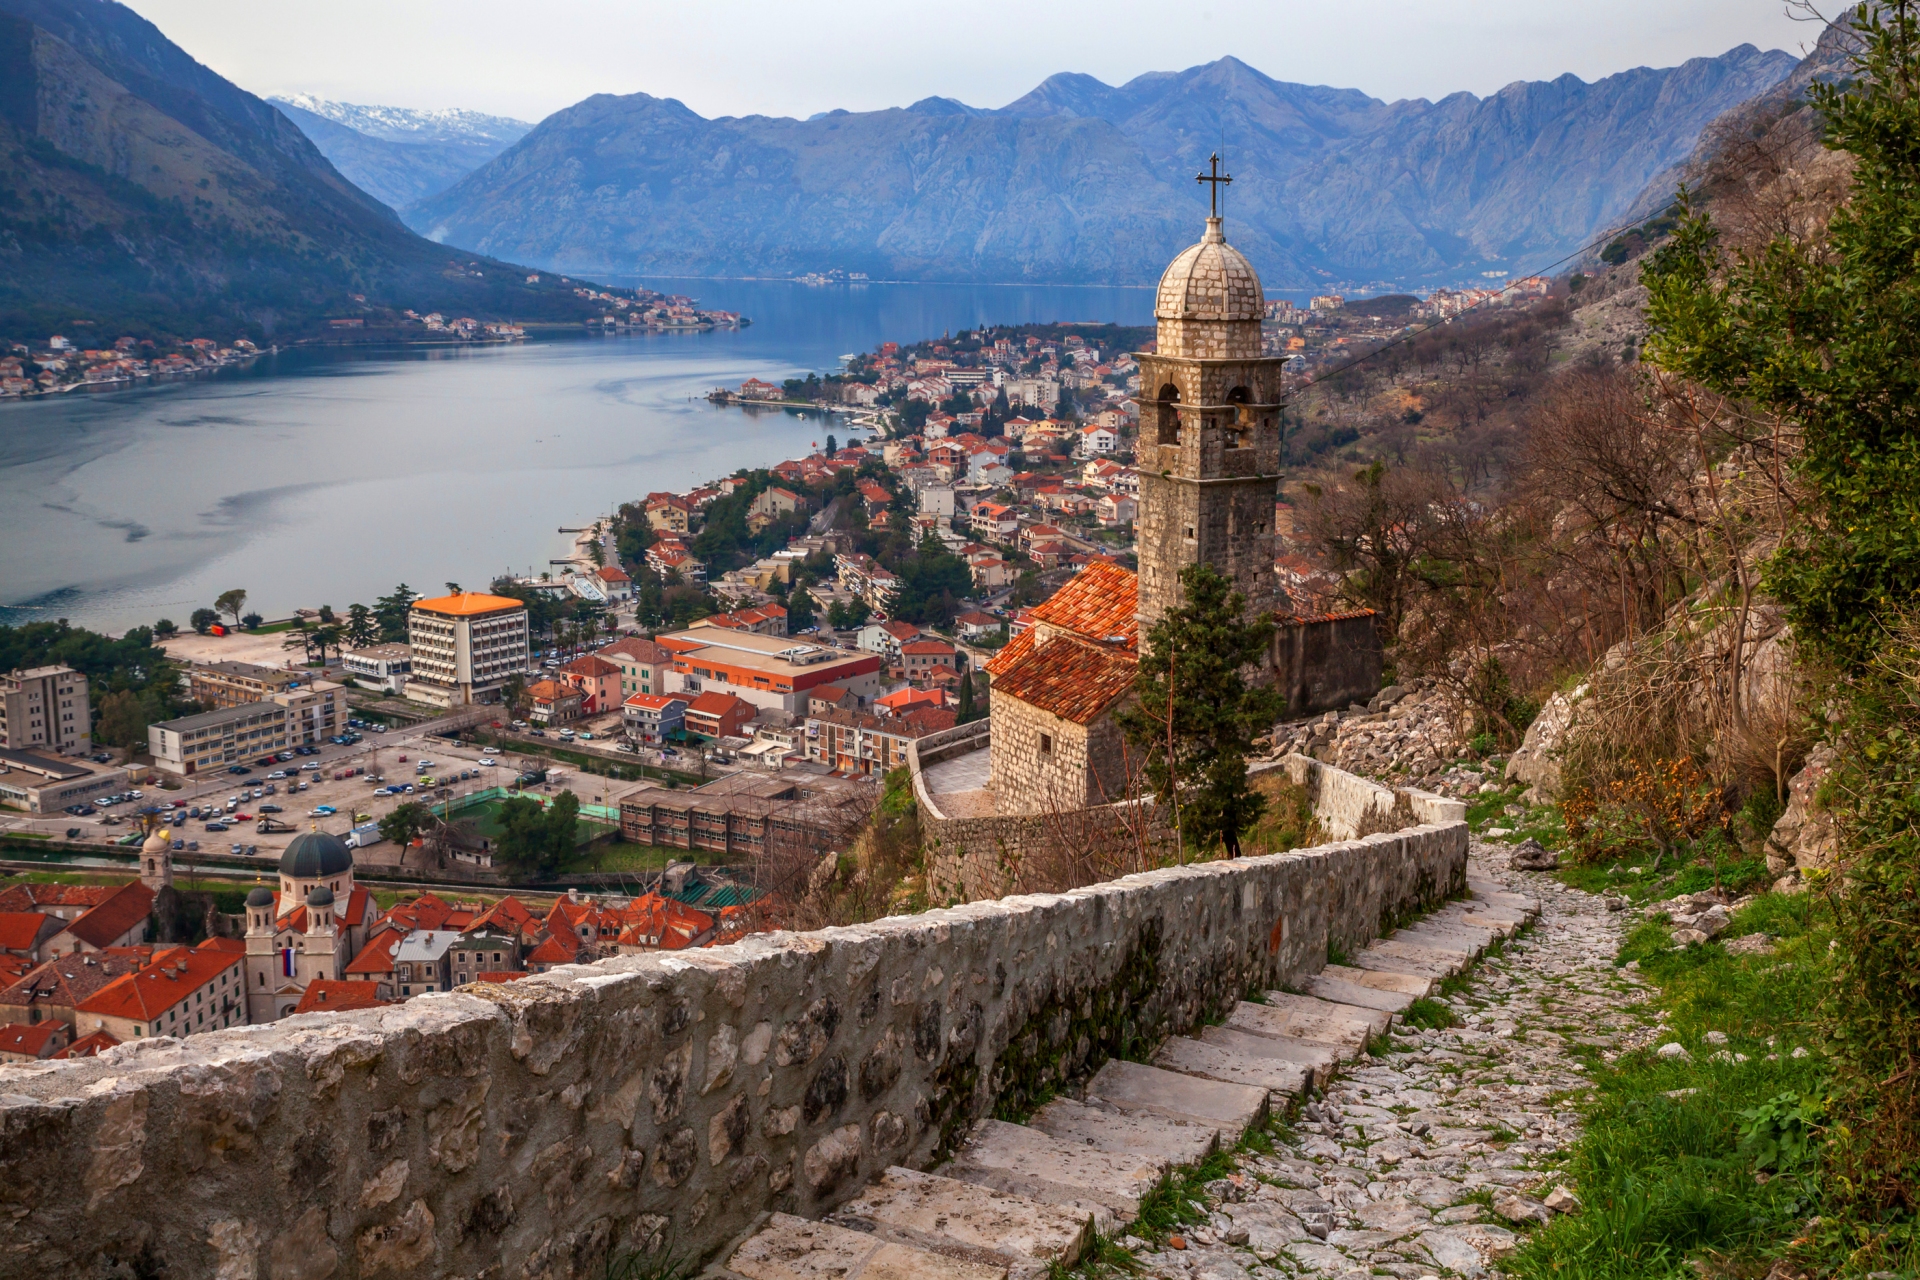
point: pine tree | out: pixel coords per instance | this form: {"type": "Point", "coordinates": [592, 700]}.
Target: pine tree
{"type": "Point", "coordinates": [1196, 716]}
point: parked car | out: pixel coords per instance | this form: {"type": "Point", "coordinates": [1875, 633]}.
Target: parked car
{"type": "Point", "coordinates": [271, 808]}
{"type": "Point", "coordinates": [323, 811]}
{"type": "Point", "coordinates": [238, 769]}
{"type": "Point", "coordinates": [487, 762]}
{"type": "Point", "coordinates": [277, 775]}
{"type": "Point", "coordinates": [216, 826]}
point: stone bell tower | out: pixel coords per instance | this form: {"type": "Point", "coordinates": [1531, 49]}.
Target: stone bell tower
{"type": "Point", "coordinates": [1209, 450]}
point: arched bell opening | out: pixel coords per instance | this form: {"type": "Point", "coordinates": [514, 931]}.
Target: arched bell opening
{"type": "Point", "coordinates": [1167, 415]}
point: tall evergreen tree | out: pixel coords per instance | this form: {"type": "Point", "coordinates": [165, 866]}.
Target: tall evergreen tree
{"type": "Point", "coordinates": [1196, 714]}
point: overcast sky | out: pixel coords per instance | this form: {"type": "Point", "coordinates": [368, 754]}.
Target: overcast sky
{"type": "Point", "coordinates": [795, 57]}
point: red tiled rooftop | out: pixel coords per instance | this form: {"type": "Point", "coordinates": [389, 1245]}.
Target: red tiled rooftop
{"type": "Point", "coordinates": [1069, 678]}
{"type": "Point", "coordinates": [328, 995]}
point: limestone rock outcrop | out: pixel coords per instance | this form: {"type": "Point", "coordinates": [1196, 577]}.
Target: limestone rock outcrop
{"type": "Point", "coordinates": [1804, 838]}
{"type": "Point", "coordinates": [1537, 762]}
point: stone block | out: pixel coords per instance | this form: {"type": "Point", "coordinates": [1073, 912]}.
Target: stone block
{"type": "Point", "coordinates": [1308, 1018]}
{"type": "Point", "coordinates": [1353, 993]}
{"type": "Point", "coordinates": [1462, 939]}
{"type": "Point", "coordinates": [1138, 1089]}
{"type": "Point", "coordinates": [1448, 963]}
{"type": "Point", "coordinates": [967, 1221]}
{"type": "Point", "coordinates": [1029, 1162]}
{"type": "Point", "coordinates": [1280, 1079]}
{"type": "Point", "coordinates": [790, 1248]}
{"type": "Point", "coordinates": [1171, 1141]}
{"type": "Point", "coordinates": [1315, 1057]}
{"type": "Point", "coordinates": [1412, 984]}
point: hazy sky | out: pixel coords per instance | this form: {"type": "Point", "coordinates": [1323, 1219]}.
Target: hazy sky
{"type": "Point", "coordinates": [795, 57]}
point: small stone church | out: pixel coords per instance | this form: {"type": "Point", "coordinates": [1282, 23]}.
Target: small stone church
{"type": "Point", "coordinates": [1209, 462]}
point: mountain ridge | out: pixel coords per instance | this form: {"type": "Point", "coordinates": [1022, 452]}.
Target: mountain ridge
{"type": "Point", "coordinates": [400, 156]}
{"type": "Point", "coordinates": [1078, 181]}
{"type": "Point", "coordinates": [140, 191]}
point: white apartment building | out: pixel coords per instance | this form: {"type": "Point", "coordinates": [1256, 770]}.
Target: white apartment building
{"type": "Point", "coordinates": [216, 740]}
{"type": "Point", "coordinates": [464, 647]}
{"type": "Point", "coordinates": [45, 707]}
{"type": "Point", "coordinates": [380, 666]}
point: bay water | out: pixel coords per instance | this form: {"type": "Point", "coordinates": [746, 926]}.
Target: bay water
{"type": "Point", "coordinates": [327, 475]}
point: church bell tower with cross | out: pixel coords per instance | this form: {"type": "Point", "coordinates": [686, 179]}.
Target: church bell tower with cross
{"type": "Point", "coordinates": [1209, 450]}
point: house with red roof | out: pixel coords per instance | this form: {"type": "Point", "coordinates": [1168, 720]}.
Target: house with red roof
{"type": "Point", "coordinates": [652, 922]}
{"type": "Point", "coordinates": [654, 717]}
{"type": "Point", "coordinates": [89, 1046]}
{"type": "Point", "coordinates": [921, 658]}
{"type": "Point", "coordinates": [643, 664]}
{"type": "Point", "coordinates": [719, 715]}
{"type": "Point", "coordinates": [906, 699]}
{"type": "Point", "coordinates": [24, 1042]}
{"type": "Point", "coordinates": [328, 995]}
{"type": "Point", "coordinates": [120, 920]}
{"type": "Point", "coordinates": [598, 681]}
{"type": "Point", "coordinates": [615, 582]}
{"type": "Point", "coordinates": [182, 991]}
{"type": "Point", "coordinates": [553, 702]}
{"type": "Point", "coordinates": [25, 933]}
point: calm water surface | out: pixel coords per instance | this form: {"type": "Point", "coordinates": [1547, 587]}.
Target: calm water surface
{"type": "Point", "coordinates": [326, 476]}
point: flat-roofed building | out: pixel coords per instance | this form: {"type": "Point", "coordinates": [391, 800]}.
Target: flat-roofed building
{"type": "Point", "coordinates": [234, 684]}
{"type": "Point", "coordinates": [465, 646]}
{"type": "Point", "coordinates": [220, 739]}
{"type": "Point", "coordinates": [750, 813]}
{"type": "Point", "coordinates": [773, 672]}
{"type": "Point", "coordinates": [380, 666]}
{"type": "Point", "coordinates": [44, 784]}
{"type": "Point", "coordinates": [45, 707]}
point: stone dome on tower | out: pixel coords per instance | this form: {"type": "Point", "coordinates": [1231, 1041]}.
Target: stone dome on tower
{"type": "Point", "coordinates": [1209, 303]}
{"type": "Point", "coordinates": [1212, 280]}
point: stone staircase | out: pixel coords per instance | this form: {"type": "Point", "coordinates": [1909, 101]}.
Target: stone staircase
{"type": "Point", "coordinates": [1018, 1199]}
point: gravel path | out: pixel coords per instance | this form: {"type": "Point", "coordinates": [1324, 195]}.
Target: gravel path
{"type": "Point", "coordinates": [1390, 1170]}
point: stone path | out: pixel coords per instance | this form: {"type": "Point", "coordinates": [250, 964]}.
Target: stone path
{"type": "Point", "coordinates": [1388, 1161]}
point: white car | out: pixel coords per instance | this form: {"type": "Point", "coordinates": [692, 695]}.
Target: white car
{"type": "Point", "coordinates": [488, 762]}
{"type": "Point", "coordinates": [278, 775]}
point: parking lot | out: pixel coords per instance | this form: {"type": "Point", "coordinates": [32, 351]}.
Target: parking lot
{"type": "Point", "coordinates": [390, 759]}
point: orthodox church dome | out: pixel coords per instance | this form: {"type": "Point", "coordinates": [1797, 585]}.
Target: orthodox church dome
{"type": "Point", "coordinates": [321, 897]}
{"type": "Point", "coordinates": [1211, 280]}
{"type": "Point", "coordinates": [312, 855]}
{"type": "Point", "coordinates": [260, 897]}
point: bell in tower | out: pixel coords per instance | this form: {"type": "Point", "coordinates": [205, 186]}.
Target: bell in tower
{"type": "Point", "coordinates": [1209, 451]}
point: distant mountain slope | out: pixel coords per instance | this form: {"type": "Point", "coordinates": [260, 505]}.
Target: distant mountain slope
{"type": "Point", "coordinates": [141, 191]}
{"type": "Point", "coordinates": [400, 156]}
{"type": "Point", "coordinates": [1079, 181]}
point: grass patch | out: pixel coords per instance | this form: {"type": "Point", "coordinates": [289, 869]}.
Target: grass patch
{"type": "Point", "coordinates": [1429, 1015]}
{"type": "Point", "coordinates": [1668, 1185]}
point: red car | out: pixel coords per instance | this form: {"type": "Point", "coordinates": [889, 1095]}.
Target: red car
{"type": "Point", "coordinates": [241, 817]}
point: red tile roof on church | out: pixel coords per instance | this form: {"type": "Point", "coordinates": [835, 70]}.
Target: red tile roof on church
{"type": "Point", "coordinates": [377, 955]}
{"type": "Point", "coordinates": [1069, 678]}
{"type": "Point", "coordinates": [1098, 604]}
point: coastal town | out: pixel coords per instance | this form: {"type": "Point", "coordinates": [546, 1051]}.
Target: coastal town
{"type": "Point", "coordinates": [721, 678]}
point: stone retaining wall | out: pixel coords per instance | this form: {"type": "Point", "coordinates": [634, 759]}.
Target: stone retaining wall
{"type": "Point", "coordinates": [649, 1102]}
{"type": "Point", "coordinates": [1347, 806]}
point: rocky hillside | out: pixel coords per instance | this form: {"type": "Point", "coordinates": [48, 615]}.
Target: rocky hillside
{"type": "Point", "coordinates": [396, 155]}
{"type": "Point", "coordinates": [144, 193]}
{"type": "Point", "coordinates": [1082, 181]}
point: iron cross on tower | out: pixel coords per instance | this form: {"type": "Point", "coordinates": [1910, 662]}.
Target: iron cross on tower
{"type": "Point", "coordinates": [1217, 178]}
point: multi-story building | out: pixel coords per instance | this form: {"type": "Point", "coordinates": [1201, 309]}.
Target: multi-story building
{"type": "Point", "coordinates": [216, 740]}
{"type": "Point", "coordinates": [643, 664]}
{"type": "Point", "coordinates": [45, 707]}
{"type": "Point", "coordinates": [482, 951]}
{"type": "Point", "coordinates": [465, 646]}
{"type": "Point", "coordinates": [420, 961]}
{"type": "Point", "coordinates": [235, 684]}
{"type": "Point", "coordinates": [180, 992]}
{"type": "Point", "coordinates": [861, 743]}
{"type": "Point", "coordinates": [315, 712]}
{"type": "Point", "coordinates": [772, 672]}
{"type": "Point", "coordinates": [380, 666]}
{"type": "Point", "coordinates": [654, 717]}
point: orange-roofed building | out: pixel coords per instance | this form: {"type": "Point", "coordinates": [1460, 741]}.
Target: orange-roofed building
{"type": "Point", "coordinates": [598, 681]}
{"type": "Point", "coordinates": [181, 992]}
{"type": "Point", "coordinates": [326, 995]}
{"type": "Point", "coordinates": [557, 948]}
{"type": "Point", "coordinates": [23, 933]}
{"type": "Point", "coordinates": [24, 1042]}
{"type": "Point", "coordinates": [905, 699]}
{"type": "Point", "coordinates": [375, 964]}
{"type": "Point", "coordinates": [465, 647]}
{"type": "Point", "coordinates": [718, 715]}
{"type": "Point", "coordinates": [120, 920]}
{"type": "Point", "coordinates": [553, 702]}
{"type": "Point", "coordinates": [655, 923]}
{"type": "Point", "coordinates": [89, 1046]}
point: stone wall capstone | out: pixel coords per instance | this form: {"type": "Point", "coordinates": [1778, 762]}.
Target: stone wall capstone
{"type": "Point", "coordinates": [530, 1130]}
